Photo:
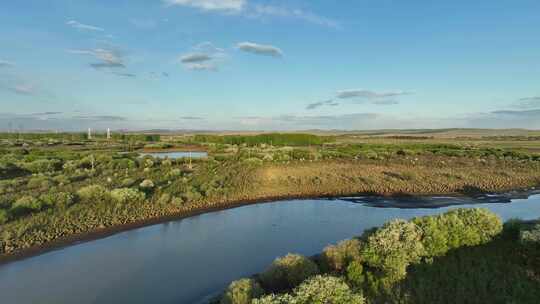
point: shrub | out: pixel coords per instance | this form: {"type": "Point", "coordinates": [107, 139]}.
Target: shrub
{"type": "Point", "coordinates": [242, 292]}
{"type": "Point", "coordinates": [530, 236]}
{"type": "Point", "coordinates": [393, 247]}
{"type": "Point", "coordinates": [146, 184]}
{"type": "Point", "coordinates": [335, 258]}
{"type": "Point", "coordinates": [42, 165]}
{"type": "Point", "coordinates": [58, 199]}
{"type": "Point", "coordinates": [26, 205]}
{"type": "Point", "coordinates": [4, 216]}
{"type": "Point", "coordinates": [355, 273]}
{"type": "Point", "coordinates": [94, 194]}
{"type": "Point", "coordinates": [126, 195]}
{"type": "Point", "coordinates": [457, 228]}
{"type": "Point", "coordinates": [287, 272]}
{"type": "Point", "coordinates": [41, 182]}
{"type": "Point", "coordinates": [174, 173]}
{"type": "Point", "coordinates": [128, 182]}
{"type": "Point", "coordinates": [317, 290]}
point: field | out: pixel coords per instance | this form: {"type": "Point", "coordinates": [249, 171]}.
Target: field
{"type": "Point", "coordinates": [55, 187]}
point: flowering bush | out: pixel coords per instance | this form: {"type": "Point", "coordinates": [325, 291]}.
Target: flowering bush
{"type": "Point", "coordinates": [146, 184]}
{"type": "Point", "coordinates": [287, 272]}
{"type": "Point", "coordinates": [393, 247]}
{"type": "Point", "coordinates": [317, 290]}
{"type": "Point", "coordinates": [531, 235]}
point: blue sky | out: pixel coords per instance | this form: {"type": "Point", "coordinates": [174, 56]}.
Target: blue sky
{"type": "Point", "coordinates": [269, 65]}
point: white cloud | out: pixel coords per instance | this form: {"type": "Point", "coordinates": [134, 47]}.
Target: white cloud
{"type": "Point", "coordinates": [211, 5]}
{"type": "Point", "coordinates": [84, 27]}
{"type": "Point", "coordinates": [260, 49]}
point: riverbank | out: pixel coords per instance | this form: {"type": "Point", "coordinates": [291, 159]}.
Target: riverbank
{"type": "Point", "coordinates": [109, 231]}
{"type": "Point", "coordinates": [249, 184]}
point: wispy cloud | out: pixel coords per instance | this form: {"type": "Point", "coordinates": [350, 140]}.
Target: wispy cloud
{"type": "Point", "coordinates": [387, 102]}
{"type": "Point", "coordinates": [524, 113]}
{"type": "Point", "coordinates": [191, 118]}
{"type": "Point", "coordinates": [100, 117]}
{"type": "Point", "coordinates": [195, 58]}
{"type": "Point", "coordinates": [205, 57]}
{"type": "Point", "coordinates": [260, 49]}
{"type": "Point", "coordinates": [84, 27]}
{"type": "Point", "coordinates": [128, 75]}
{"type": "Point", "coordinates": [269, 10]}
{"type": "Point", "coordinates": [528, 102]}
{"type": "Point", "coordinates": [23, 89]}
{"type": "Point", "coordinates": [361, 93]}
{"type": "Point", "coordinates": [108, 58]}
{"type": "Point", "coordinates": [6, 64]}
{"type": "Point", "coordinates": [315, 105]}
{"type": "Point", "coordinates": [45, 113]}
{"type": "Point", "coordinates": [257, 11]}
{"type": "Point", "coordinates": [201, 67]}
{"type": "Point", "coordinates": [211, 5]}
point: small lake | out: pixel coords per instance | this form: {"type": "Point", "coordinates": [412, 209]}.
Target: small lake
{"type": "Point", "coordinates": [188, 260]}
{"type": "Point", "coordinates": [176, 154]}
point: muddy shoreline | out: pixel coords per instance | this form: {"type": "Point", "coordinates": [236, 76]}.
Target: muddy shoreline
{"type": "Point", "coordinates": [112, 230]}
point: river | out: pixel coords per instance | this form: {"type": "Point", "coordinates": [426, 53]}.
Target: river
{"type": "Point", "coordinates": [189, 260]}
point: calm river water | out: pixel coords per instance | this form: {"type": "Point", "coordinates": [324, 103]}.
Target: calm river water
{"type": "Point", "coordinates": [188, 260]}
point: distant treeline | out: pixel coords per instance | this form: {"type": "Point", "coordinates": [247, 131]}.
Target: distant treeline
{"type": "Point", "coordinates": [275, 139]}
{"type": "Point", "coordinates": [79, 136]}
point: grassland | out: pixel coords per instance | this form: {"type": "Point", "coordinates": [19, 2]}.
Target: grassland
{"type": "Point", "coordinates": [56, 188]}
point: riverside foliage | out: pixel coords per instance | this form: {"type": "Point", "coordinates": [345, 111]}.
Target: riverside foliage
{"type": "Point", "coordinates": [475, 258]}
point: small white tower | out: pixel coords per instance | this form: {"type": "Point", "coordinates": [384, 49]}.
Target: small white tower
{"type": "Point", "coordinates": [89, 133]}
{"type": "Point", "coordinates": [108, 133]}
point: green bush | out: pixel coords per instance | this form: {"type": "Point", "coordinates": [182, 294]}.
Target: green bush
{"type": "Point", "coordinates": [317, 290]}
{"type": "Point", "coordinates": [457, 228]}
{"type": "Point", "coordinates": [128, 182]}
{"type": "Point", "coordinates": [242, 292]}
{"type": "Point", "coordinates": [355, 273]}
{"type": "Point", "coordinates": [126, 195]}
{"type": "Point", "coordinates": [4, 216]}
{"type": "Point", "coordinates": [40, 182]}
{"type": "Point", "coordinates": [58, 199]}
{"type": "Point", "coordinates": [94, 194]}
{"type": "Point", "coordinates": [287, 272]}
{"type": "Point", "coordinates": [26, 205]}
{"type": "Point", "coordinates": [42, 165]}
{"type": "Point", "coordinates": [393, 247]}
{"type": "Point", "coordinates": [336, 258]}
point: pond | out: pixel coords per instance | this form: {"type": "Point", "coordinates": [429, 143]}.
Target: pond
{"type": "Point", "coordinates": [189, 260]}
{"type": "Point", "coordinates": [176, 154]}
